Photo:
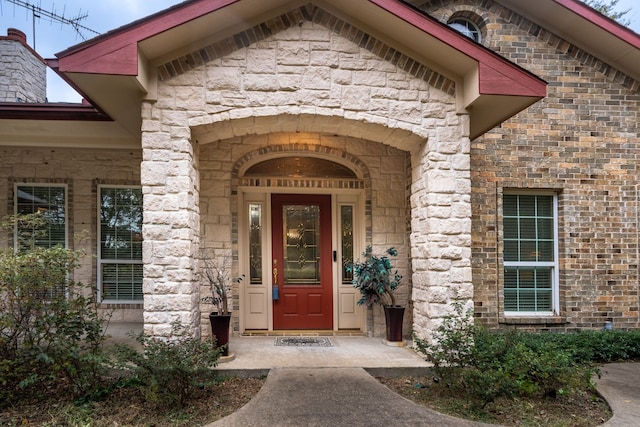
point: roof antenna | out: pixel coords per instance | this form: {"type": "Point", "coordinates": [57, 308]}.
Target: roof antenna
{"type": "Point", "coordinates": [38, 12]}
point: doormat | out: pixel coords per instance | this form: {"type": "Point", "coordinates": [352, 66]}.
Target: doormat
{"type": "Point", "coordinates": [304, 341]}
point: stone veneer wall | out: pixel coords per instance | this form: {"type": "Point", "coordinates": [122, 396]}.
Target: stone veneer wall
{"type": "Point", "coordinates": [302, 78]}
{"type": "Point", "coordinates": [22, 71]}
{"type": "Point", "coordinates": [581, 141]}
{"type": "Point", "coordinates": [81, 170]}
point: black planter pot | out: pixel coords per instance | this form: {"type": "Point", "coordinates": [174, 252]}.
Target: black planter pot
{"type": "Point", "coordinates": [220, 330]}
{"type": "Point", "coordinates": [393, 316]}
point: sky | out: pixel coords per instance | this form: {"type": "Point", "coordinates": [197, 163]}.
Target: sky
{"type": "Point", "coordinates": [51, 37]}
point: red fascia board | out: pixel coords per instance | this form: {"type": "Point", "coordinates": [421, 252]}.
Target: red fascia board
{"type": "Point", "coordinates": [116, 52]}
{"type": "Point", "coordinates": [50, 111]}
{"type": "Point", "coordinates": [497, 75]}
{"type": "Point", "coordinates": [602, 21]}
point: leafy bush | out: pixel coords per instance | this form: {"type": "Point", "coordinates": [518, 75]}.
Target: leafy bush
{"type": "Point", "coordinates": [593, 346]}
{"type": "Point", "coordinates": [49, 331]}
{"type": "Point", "coordinates": [488, 365]}
{"type": "Point", "coordinates": [168, 370]}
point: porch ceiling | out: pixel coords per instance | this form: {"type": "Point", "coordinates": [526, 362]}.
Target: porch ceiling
{"type": "Point", "coordinates": [119, 69]}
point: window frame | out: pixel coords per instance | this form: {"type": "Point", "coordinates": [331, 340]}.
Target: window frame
{"type": "Point", "coordinates": [470, 26]}
{"type": "Point", "coordinates": [99, 260]}
{"type": "Point", "coordinates": [554, 265]}
{"type": "Point", "coordinates": [346, 279]}
{"type": "Point", "coordinates": [65, 188]}
{"type": "Point", "coordinates": [260, 254]}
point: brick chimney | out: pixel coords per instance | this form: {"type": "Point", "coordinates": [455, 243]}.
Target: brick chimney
{"type": "Point", "coordinates": [23, 73]}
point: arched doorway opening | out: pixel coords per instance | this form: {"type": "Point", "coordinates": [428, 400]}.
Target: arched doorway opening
{"type": "Point", "coordinates": [300, 222]}
{"type": "Point", "coordinates": [368, 184]}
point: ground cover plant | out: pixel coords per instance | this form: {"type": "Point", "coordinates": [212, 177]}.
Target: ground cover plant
{"type": "Point", "coordinates": [126, 406]}
{"type": "Point", "coordinates": [576, 410]}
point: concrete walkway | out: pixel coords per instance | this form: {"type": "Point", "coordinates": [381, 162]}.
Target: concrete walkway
{"type": "Point", "coordinates": [331, 397]}
{"type": "Point", "coordinates": [620, 386]}
{"type": "Point", "coordinates": [352, 397]}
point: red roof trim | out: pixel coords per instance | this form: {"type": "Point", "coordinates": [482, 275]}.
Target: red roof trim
{"type": "Point", "coordinates": [116, 51]}
{"type": "Point", "coordinates": [602, 21]}
{"type": "Point", "coordinates": [50, 111]}
{"type": "Point", "coordinates": [497, 75]}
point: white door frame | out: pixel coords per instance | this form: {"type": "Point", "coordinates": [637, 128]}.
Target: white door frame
{"type": "Point", "coordinates": [255, 300]}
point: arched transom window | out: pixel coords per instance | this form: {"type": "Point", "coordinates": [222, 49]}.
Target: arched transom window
{"type": "Point", "coordinates": [466, 27]}
{"type": "Point", "coordinates": [299, 167]}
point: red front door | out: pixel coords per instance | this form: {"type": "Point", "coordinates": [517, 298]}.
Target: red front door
{"type": "Point", "coordinates": [301, 265]}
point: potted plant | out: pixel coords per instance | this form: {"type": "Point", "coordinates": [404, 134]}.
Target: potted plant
{"type": "Point", "coordinates": [216, 273]}
{"type": "Point", "coordinates": [376, 280]}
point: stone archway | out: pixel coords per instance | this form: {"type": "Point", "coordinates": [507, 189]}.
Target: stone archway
{"type": "Point", "coordinates": [262, 90]}
{"type": "Point", "coordinates": [390, 209]}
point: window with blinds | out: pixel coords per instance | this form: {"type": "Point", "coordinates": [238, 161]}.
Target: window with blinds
{"type": "Point", "coordinates": [530, 254]}
{"type": "Point", "coordinates": [120, 240]}
{"type": "Point", "coordinates": [49, 229]}
{"type": "Point", "coordinates": [50, 203]}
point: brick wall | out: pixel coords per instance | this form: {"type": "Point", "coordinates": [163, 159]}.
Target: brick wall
{"type": "Point", "coordinates": [582, 142]}
{"type": "Point", "coordinates": [81, 171]}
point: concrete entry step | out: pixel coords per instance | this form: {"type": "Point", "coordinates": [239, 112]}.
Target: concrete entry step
{"type": "Point", "coordinates": [304, 333]}
{"type": "Point", "coordinates": [261, 352]}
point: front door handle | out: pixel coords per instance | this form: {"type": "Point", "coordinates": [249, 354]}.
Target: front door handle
{"type": "Point", "coordinates": [275, 271]}
{"type": "Point", "coordinates": [275, 294]}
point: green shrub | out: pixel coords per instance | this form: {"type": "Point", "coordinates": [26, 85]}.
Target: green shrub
{"type": "Point", "coordinates": [49, 331]}
{"type": "Point", "coordinates": [452, 349]}
{"type": "Point", "coordinates": [602, 347]}
{"type": "Point", "coordinates": [487, 365]}
{"type": "Point", "coordinates": [168, 370]}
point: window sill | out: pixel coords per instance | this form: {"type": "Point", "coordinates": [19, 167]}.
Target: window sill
{"type": "Point", "coordinates": [120, 305]}
{"type": "Point", "coordinates": [538, 320]}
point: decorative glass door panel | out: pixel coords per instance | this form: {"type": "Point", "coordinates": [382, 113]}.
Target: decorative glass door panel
{"type": "Point", "coordinates": [302, 262]}
{"type": "Point", "coordinates": [301, 242]}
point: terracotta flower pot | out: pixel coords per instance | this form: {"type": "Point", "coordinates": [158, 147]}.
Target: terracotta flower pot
{"type": "Point", "coordinates": [220, 330]}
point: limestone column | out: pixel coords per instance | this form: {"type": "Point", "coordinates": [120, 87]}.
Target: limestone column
{"type": "Point", "coordinates": [171, 223]}
{"type": "Point", "coordinates": [441, 227]}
